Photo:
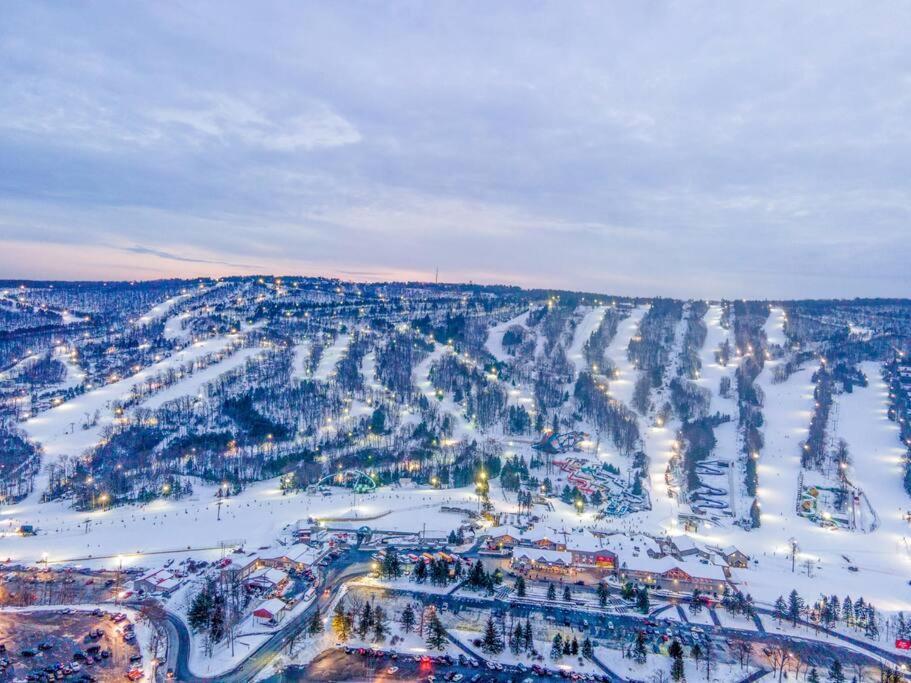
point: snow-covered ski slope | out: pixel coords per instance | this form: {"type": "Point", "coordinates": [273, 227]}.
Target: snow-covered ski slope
{"type": "Point", "coordinates": [623, 382]}
{"type": "Point", "coordinates": [494, 342]}
{"type": "Point", "coordinates": [590, 320]}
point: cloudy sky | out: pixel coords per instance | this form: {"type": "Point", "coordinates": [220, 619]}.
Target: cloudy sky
{"type": "Point", "coordinates": [694, 149]}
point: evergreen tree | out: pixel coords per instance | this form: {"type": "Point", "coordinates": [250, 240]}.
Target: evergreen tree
{"type": "Point", "coordinates": [871, 630]}
{"type": "Point", "coordinates": [380, 628]}
{"type": "Point", "coordinates": [677, 669]}
{"type": "Point", "coordinates": [847, 611]}
{"type": "Point", "coordinates": [795, 604]}
{"type": "Point", "coordinates": [781, 609]}
{"type": "Point", "coordinates": [408, 619]}
{"type": "Point", "coordinates": [315, 625]}
{"type": "Point", "coordinates": [200, 611]}
{"type": "Point", "coordinates": [527, 636]}
{"type": "Point", "coordinates": [520, 587]}
{"type": "Point", "coordinates": [587, 650]}
{"type": "Point", "coordinates": [696, 602]}
{"type": "Point", "coordinates": [492, 643]}
{"type": "Point", "coordinates": [420, 572]}
{"type": "Point", "coordinates": [217, 623]}
{"type": "Point", "coordinates": [516, 639]}
{"type": "Point", "coordinates": [813, 676]}
{"type": "Point", "coordinates": [755, 515]}
{"type": "Point", "coordinates": [602, 593]}
{"type": "Point", "coordinates": [551, 592]}
{"type": "Point", "coordinates": [436, 634]}
{"type": "Point", "coordinates": [836, 674]}
{"type": "Point", "coordinates": [642, 602]}
{"type": "Point", "coordinates": [366, 620]}
{"type": "Point", "coordinates": [556, 649]}
{"type": "Point", "coordinates": [574, 646]}
{"type": "Point", "coordinates": [567, 594]}
{"type": "Point", "coordinates": [640, 654]}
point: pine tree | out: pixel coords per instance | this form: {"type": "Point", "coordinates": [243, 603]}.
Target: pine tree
{"type": "Point", "coordinates": [813, 676]}
{"type": "Point", "coordinates": [602, 593]}
{"type": "Point", "coordinates": [567, 594]}
{"type": "Point", "coordinates": [781, 609]}
{"type": "Point", "coordinates": [200, 611]}
{"type": "Point", "coordinates": [315, 625]}
{"type": "Point", "coordinates": [640, 654]}
{"type": "Point", "coordinates": [574, 646]}
{"type": "Point", "coordinates": [436, 634]}
{"type": "Point", "coordinates": [527, 636]}
{"type": "Point", "coordinates": [836, 674]}
{"type": "Point", "coordinates": [556, 649]}
{"type": "Point", "coordinates": [520, 587]}
{"type": "Point", "coordinates": [642, 602]}
{"type": "Point", "coordinates": [366, 620]}
{"type": "Point", "coordinates": [516, 639]}
{"type": "Point", "coordinates": [380, 628]}
{"type": "Point", "coordinates": [587, 650]}
{"type": "Point", "coordinates": [871, 630]}
{"type": "Point", "coordinates": [551, 592]}
{"type": "Point", "coordinates": [847, 611]}
{"type": "Point", "coordinates": [677, 669]}
{"type": "Point", "coordinates": [696, 602]}
{"type": "Point", "coordinates": [217, 620]}
{"type": "Point", "coordinates": [795, 604]}
{"type": "Point", "coordinates": [492, 643]}
{"type": "Point", "coordinates": [408, 619]}
{"type": "Point", "coordinates": [755, 514]}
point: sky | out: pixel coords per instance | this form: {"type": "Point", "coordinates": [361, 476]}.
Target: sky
{"type": "Point", "coordinates": [693, 149]}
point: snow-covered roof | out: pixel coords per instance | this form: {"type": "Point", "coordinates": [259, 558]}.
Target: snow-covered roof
{"type": "Point", "coordinates": [272, 606]}
{"type": "Point", "coordinates": [269, 574]}
{"type": "Point", "coordinates": [660, 565]}
{"type": "Point", "coordinates": [507, 530]}
{"type": "Point", "coordinates": [306, 555]}
{"type": "Point", "coordinates": [683, 543]}
{"type": "Point", "coordinates": [545, 556]}
{"type": "Point", "coordinates": [162, 579]}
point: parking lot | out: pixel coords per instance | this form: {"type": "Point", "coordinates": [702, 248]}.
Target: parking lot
{"type": "Point", "coordinates": [68, 646]}
{"type": "Point", "coordinates": [26, 586]}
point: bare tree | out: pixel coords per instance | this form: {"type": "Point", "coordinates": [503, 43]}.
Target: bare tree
{"type": "Point", "coordinates": [778, 657]}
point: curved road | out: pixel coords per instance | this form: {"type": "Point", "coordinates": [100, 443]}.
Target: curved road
{"type": "Point", "coordinates": [352, 564]}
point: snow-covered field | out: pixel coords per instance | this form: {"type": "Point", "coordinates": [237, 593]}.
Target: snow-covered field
{"type": "Point", "coordinates": [60, 430]}
{"type": "Point", "coordinates": [624, 380]}
{"type": "Point", "coordinates": [494, 342]}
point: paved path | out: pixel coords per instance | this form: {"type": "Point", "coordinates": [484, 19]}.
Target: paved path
{"type": "Point", "coordinates": [755, 676]}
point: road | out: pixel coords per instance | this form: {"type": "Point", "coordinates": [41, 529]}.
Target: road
{"type": "Point", "coordinates": [350, 565]}
{"type": "Point", "coordinates": [357, 562]}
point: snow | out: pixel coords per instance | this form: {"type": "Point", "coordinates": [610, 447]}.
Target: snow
{"type": "Point", "coordinates": [624, 381]}
{"type": "Point", "coordinates": [494, 342]}
{"type": "Point", "coordinates": [774, 327]}
{"type": "Point", "coordinates": [331, 356]}
{"type": "Point", "coordinates": [173, 327]}
{"type": "Point", "coordinates": [161, 310]}
{"type": "Point", "coordinates": [300, 366]}
{"type": "Point", "coordinates": [582, 334]}
{"type": "Point", "coordinates": [193, 384]}
{"type": "Point", "coordinates": [59, 430]}
{"type": "Point", "coordinates": [628, 668]}
{"type": "Point", "coordinates": [461, 428]}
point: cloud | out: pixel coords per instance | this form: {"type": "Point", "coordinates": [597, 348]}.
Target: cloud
{"type": "Point", "coordinates": [690, 149]}
{"type": "Point", "coordinates": [186, 259]}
